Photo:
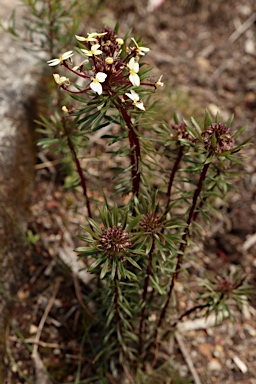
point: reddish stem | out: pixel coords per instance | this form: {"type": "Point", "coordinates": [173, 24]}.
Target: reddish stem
{"type": "Point", "coordinates": [174, 170]}
{"type": "Point", "coordinates": [183, 245]}
{"type": "Point", "coordinates": [80, 74]}
{"type": "Point", "coordinates": [135, 150]}
{"type": "Point", "coordinates": [81, 176]}
{"type": "Point", "coordinates": [116, 305]}
{"type": "Point", "coordinates": [189, 311]}
{"type": "Point", "coordinates": [117, 311]}
{"type": "Point", "coordinates": [144, 298]}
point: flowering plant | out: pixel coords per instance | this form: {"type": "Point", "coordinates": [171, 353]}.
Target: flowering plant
{"type": "Point", "coordinates": [107, 76]}
{"type": "Point", "coordinates": [136, 250]}
{"type": "Point", "coordinates": [165, 179]}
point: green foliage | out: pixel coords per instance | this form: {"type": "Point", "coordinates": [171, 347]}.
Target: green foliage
{"type": "Point", "coordinates": [220, 289]}
{"type": "Point", "coordinates": [165, 180]}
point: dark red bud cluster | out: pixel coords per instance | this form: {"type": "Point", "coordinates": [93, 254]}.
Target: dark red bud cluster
{"type": "Point", "coordinates": [225, 285]}
{"type": "Point", "coordinates": [217, 137]}
{"type": "Point", "coordinates": [150, 222]}
{"type": "Point", "coordinates": [114, 240]}
{"type": "Point", "coordinates": [181, 131]}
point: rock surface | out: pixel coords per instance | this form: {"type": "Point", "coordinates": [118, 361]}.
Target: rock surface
{"type": "Point", "coordinates": [17, 89]}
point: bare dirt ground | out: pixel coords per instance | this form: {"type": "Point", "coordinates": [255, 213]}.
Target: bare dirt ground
{"type": "Point", "coordinates": [207, 54]}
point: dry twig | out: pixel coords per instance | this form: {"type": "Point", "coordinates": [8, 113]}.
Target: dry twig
{"type": "Point", "coordinates": [41, 373]}
{"type": "Point", "coordinates": [187, 358]}
{"type": "Point", "coordinates": [243, 27]}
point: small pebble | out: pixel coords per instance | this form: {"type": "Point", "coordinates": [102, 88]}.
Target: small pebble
{"type": "Point", "coordinates": [214, 365]}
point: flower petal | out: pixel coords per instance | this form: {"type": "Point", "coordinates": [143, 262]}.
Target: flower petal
{"type": "Point", "coordinates": [95, 47]}
{"type": "Point", "coordinates": [136, 67]}
{"type": "Point", "coordinates": [134, 79]}
{"type": "Point", "coordinates": [67, 55]}
{"type": "Point", "coordinates": [86, 52]}
{"type": "Point", "coordinates": [80, 38]}
{"type": "Point", "coordinates": [119, 41]}
{"type": "Point", "coordinates": [140, 50]}
{"type": "Point", "coordinates": [96, 34]}
{"type": "Point", "coordinates": [61, 79]}
{"type": "Point", "coordinates": [97, 52]}
{"type": "Point", "coordinates": [130, 65]}
{"type": "Point", "coordinates": [96, 87]}
{"type": "Point", "coordinates": [133, 95]}
{"type": "Point", "coordinates": [101, 77]}
{"type": "Point", "coordinates": [159, 83]}
{"type": "Point", "coordinates": [140, 105]}
{"type": "Point", "coordinates": [53, 62]}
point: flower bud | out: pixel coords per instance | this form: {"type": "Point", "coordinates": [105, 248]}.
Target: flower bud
{"type": "Point", "coordinates": [109, 60]}
{"type": "Point", "coordinates": [119, 41]}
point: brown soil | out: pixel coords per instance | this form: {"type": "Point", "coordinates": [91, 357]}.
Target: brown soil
{"type": "Point", "coordinates": [204, 65]}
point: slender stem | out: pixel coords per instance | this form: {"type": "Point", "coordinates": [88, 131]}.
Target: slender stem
{"type": "Point", "coordinates": [117, 312]}
{"type": "Point", "coordinates": [183, 245]}
{"type": "Point", "coordinates": [135, 150]}
{"type": "Point", "coordinates": [202, 202]}
{"type": "Point", "coordinates": [80, 74]}
{"type": "Point", "coordinates": [172, 327]}
{"type": "Point", "coordinates": [116, 304]}
{"type": "Point", "coordinates": [172, 175]}
{"type": "Point", "coordinates": [144, 298]}
{"type": "Point", "coordinates": [81, 176]}
{"type": "Point", "coordinates": [74, 92]}
{"type": "Point", "coordinates": [189, 311]}
{"type": "Point", "coordinates": [200, 205]}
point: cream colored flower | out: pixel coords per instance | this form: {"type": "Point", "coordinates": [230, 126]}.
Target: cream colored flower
{"type": "Point", "coordinates": [64, 109]}
{"type": "Point", "coordinates": [119, 41]}
{"type": "Point", "coordinates": [61, 79]}
{"type": "Point", "coordinates": [87, 39]}
{"type": "Point", "coordinates": [93, 52]}
{"type": "Point", "coordinates": [91, 36]}
{"type": "Point", "coordinates": [140, 50]}
{"type": "Point", "coordinates": [136, 99]}
{"type": "Point", "coordinates": [159, 82]}
{"type": "Point", "coordinates": [96, 82]}
{"type": "Point", "coordinates": [134, 69]}
{"type": "Point", "coordinates": [96, 34]}
{"type": "Point", "coordinates": [76, 67]}
{"type": "Point", "coordinates": [60, 60]}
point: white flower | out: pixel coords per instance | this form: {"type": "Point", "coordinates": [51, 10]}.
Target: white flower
{"type": "Point", "coordinates": [159, 82]}
{"type": "Point", "coordinates": [61, 79]}
{"type": "Point", "coordinates": [91, 36]}
{"type": "Point", "coordinates": [134, 69]}
{"type": "Point", "coordinates": [96, 82]}
{"type": "Point", "coordinates": [60, 60]}
{"type": "Point", "coordinates": [64, 109]}
{"type": "Point", "coordinates": [87, 39]}
{"type": "Point", "coordinates": [119, 41]}
{"type": "Point", "coordinates": [76, 67]}
{"type": "Point", "coordinates": [96, 34]}
{"type": "Point", "coordinates": [93, 52]}
{"type": "Point", "coordinates": [140, 50]}
{"type": "Point", "coordinates": [136, 100]}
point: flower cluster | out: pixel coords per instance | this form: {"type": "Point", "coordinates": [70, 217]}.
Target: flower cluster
{"type": "Point", "coordinates": [218, 138]}
{"type": "Point", "coordinates": [114, 241]}
{"type": "Point", "coordinates": [110, 67]}
{"type": "Point", "coordinates": [182, 132]}
{"type": "Point", "coordinates": [151, 222]}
